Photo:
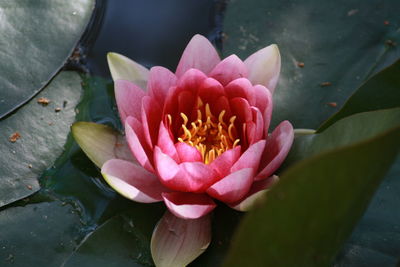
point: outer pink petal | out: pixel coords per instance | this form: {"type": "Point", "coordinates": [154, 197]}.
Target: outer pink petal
{"type": "Point", "coordinates": [199, 54]}
{"type": "Point", "coordinates": [229, 69]}
{"type": "Point", "coordinates": [241, 88]}
{"type": "Point", "coordinates": [166, 143]}
{"type": "Point", "coordinates": [159, 83]}
{"type": "Point", "coordinates": [177, 242]}
{"type": "Point", "coordinates": [129, 99]}
{"type": "Point", "coordinates": [256, 194]}
{"type": "Point", "coordinates": [232, 187]}
{"type": "Point", "coordinates": [135, 138]}
{"type": "Point", "coordinates": [276, 149]}
{"type": "Point", "coordinates": [188, 205]}
{"type": "Point", "coordinates": [188, 153]}
{"type": "Point", "coordinates": [224, 162]}
{"type": "Point", "coordinates": [185, 177]}
{"type": "Point", "coordinates": [250, 158]}
{"type": "Point", "coordinates": [264, 67]}
{"type": "Point", "coordinates": [132, 181]}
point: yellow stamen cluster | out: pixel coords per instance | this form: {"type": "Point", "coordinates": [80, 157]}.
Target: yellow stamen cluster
{"type": "Point", "coordinates": [209, 134]}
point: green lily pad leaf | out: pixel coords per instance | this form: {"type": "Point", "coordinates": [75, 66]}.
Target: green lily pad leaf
{"type": "Point", "coordinates": [376, 239]}
{"type": "Point", "coordinates": [123, 240]}
{"type": "Point", "coordinates": [37, 39]}
{"type": "Point", "coordinates": [326, 194]}
{"type": "Point", "coordinates": [340, 43]}
{"type": "Point", "coordinates": [41, 234]}
{"type": "Point", "coordinates": [379, 92]}
{"type": "Point", "coordinates": [101, 142]}
{"type": "Point", "coordinates": [33, 137]}
{"type": "Point", "coordinates": [344, 132]}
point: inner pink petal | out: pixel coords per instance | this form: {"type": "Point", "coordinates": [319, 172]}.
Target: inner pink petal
{"type": "Point", "coordinates": [241, 88]}
{"type": "Point", "coordinates": [151, 118]}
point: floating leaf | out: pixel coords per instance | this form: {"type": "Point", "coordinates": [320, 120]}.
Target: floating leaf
{"type": "Point", "coordinates": [325, 194]}
{"type": "Point", "coordinates": [123, 240]}
{"type": "Point", "coordinates": [37, 37]}
{"type": "Point", "coordinates": [42, 130]}
{"type": "Point", "coordinates": [328, 49]}
{"type": "Point", "coordinates": [379, 92]}
{"type": "Point", "coordinates": [41, 234]}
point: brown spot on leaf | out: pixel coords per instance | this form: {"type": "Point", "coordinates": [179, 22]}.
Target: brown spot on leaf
{"type": "Point", "coordinates": [332, 104]}
{"type": "Point", "coordinates": [43, 101]}
{"type": "Point", "coordinates": [324, 84]}
{"type": "Point", "coordinates": [300, 64]}
{"type": "Point", "coordinates": [14, 137]}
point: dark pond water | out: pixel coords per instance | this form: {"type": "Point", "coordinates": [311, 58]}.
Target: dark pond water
{"type": "Point", "coordinates": [152, 32]}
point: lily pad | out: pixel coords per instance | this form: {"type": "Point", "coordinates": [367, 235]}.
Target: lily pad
{"type": "Point", "coordinates": [41, 234]}
{"type": "Point", "coordinates": [37, 38]}
{"type": "Point", "coordinates": [349, 130]}
{"type": "Point", "coordinates": [379, 92]}
{"type": "Point", "coordinates": [376, 239]}
{"type": "Point", "coordinates": [341, 44]}
{"type": "Point", "coordinates": [124, 240]}
{"type": "Point", "coordinates": [33, 137]}
{"type": "Point", "coordinates": [326, 195]}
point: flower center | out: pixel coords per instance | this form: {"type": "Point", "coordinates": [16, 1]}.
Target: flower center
{"type": "Point", "coordinates": [210, 135]}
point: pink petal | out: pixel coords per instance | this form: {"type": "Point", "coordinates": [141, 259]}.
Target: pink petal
{"type": "Point", "coordinates": [264, 104]}
{"type": "Point", "coordinates": [135, 137]}
{"type": "Point", "coordinates": [191, 80]}
{"type": "Point", "coordinates": [151, 118]}
{"type": "Point", "coordinates": [229, 69]}
{"type": "Point", "coordinates": [264, 67]}
{"type": "Point", "coordinates": [209, 91]}
{"type": "Point", "coordinates": [232, 187]}
{"type": "Point", "coordinates": [250, 158]}
{"type": "Point", "coordinates": [188, 205]}
{"type": "Point", "coordinates": [185, 177]}
{"type": "Point", "coordinates": [224, 162]}
{"type": "Point", "coordinates": [177, 242]}
{"type": "Point", "coordinates": [199, 54]}
{"type": "Point", "coordinates": [186, 103]}
{"type": "Point", "coordinates": [276, 149]}
{"type": "Point", "coordinates": [241, 108]}
{"type": "Point", "coordinates": [160, 81]}
{"type": "Point", "coordinates": [166, 143]}
{"type": "Point", "coordinates": [259, 124]}
{"type": "Point", "coordinates": [222, 103]}
{"type": "Point", "coordinates": [187, 153]}
{"type": "Point", "coordinates": [129, 99]}
{"type": "Point", "coordinates": [255, 195]}
{"type": "Point", "coordinates": [132, 181]}
{"type": "Point", "coordinates": [241, 88]}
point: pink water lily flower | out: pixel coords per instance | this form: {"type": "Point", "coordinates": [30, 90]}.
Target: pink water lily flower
{"type": "Point", "coordinates": [197, 135]}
